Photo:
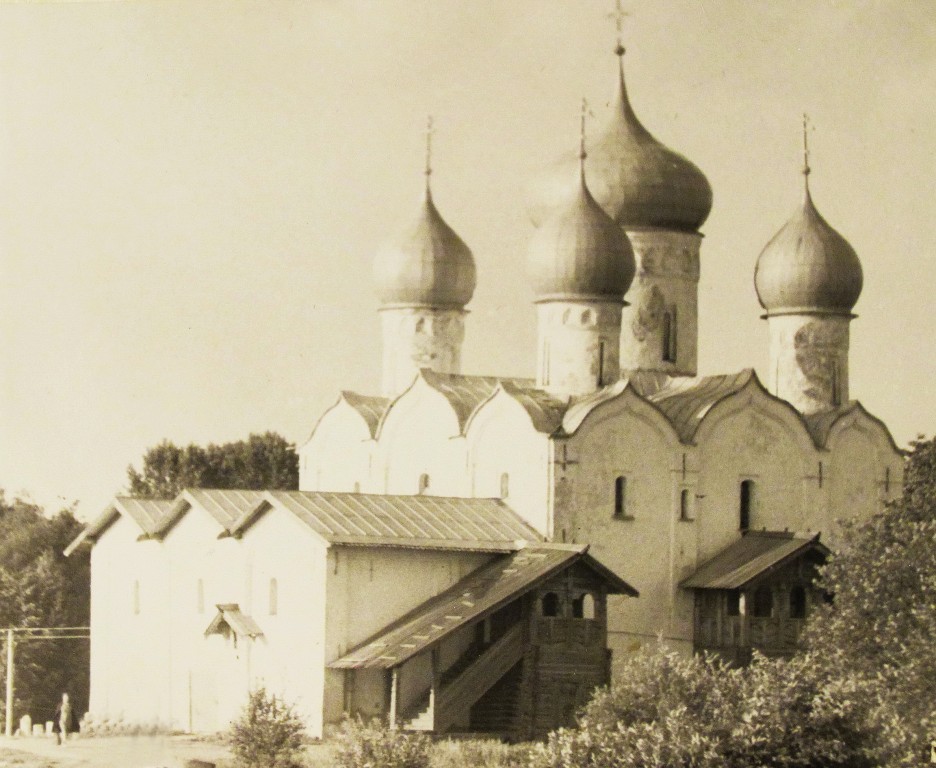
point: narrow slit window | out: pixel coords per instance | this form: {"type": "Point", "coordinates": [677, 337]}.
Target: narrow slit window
{"type": "Point", "coordinates": [620, 496]}
{"type": "Point", "coordinates": [274, 597]}
{"type": "Point", "coordinates": [136, 596]}
{"type": "Point", "coordinates": [423, 483]}
{"type": "Point", "coordinates": [685, 504]}
{"type": "Point", "coordinates": [601, 362]}
{"type": "Point", "coordinates": [200, 596]}
{"type": "Point", "coordinates": [745, 504]}
{"type": "Point", "coordinates": [669, 336]}
{"type": "Point", "coordinates": [504, 485]}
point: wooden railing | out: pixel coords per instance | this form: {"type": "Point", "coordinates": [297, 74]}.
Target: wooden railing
{"type": "Point", "coordinates": [767, 634]}
{"type": "Point", "coordinates": [478, 678]}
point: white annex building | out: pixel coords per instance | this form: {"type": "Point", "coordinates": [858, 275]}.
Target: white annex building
{"type": "Point", "coordinates": [464, 551]}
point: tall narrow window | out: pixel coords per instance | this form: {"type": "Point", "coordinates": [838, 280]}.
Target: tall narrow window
{"type": "Point", "coordinates": [669, 336]}
{"type": "Point", "coordinates": [544, 373]}
{"type": "Point", "coordinates": [423, 483]}
{"type": "Point", "coordinates": [550, 604]}
{"type": "Point", "coordinates": [620, 496]}
{"type": "Point", "coordinates": [601, 362]}
{"type": "Point", "coordinates": [274, 597]}
{"type": "Point", "coordinates": [136, 595]}
{"type": "Point", "coordinates": [745, 504]}
{"type": "Point", "coordinates": [685, 504]}
{"type": "Point", "coordinates": [200, 596]}
{"type": "Point", "coordinates": [504, 485]}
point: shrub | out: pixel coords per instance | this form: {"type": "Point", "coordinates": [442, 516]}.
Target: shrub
{"type": "Point", "coordinates": [668, 711]}
{"type": "Point", "coordinates": [268, 734]}
{"type": "Point", "coordinates": [470, 753]}
{"type": "Point", "coordinates": [374, 745]}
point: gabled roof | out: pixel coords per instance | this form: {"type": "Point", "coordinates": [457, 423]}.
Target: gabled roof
{"type": "Point", "coordinates": [348, 519]}
{"type": "Point", "coordinates": [754, 555]}
{"type": "Point", "coordinates": [477, 595]}
{"type": "Point", "coordinates": [230, 614]}
{"type": "Point", "coordinates": [148, 514]}
{"type": "Point", "coordinates": [436, 522]}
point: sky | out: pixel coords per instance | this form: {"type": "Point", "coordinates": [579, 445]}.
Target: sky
{"type": "Point", "coordinates": [192, 193]}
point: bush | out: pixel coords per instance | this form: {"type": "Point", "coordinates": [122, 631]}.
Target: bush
{"type": "Point", "coordinates": [669, 711]}
{"type": "Point", "coordinates": [469, 753]}
{"type": "Point", "coordinates": [374, 745]}
{"type": "Point", "coordinates": [268, 734]}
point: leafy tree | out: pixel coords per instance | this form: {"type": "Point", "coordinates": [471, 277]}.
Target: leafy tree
{"type": "Point", "coordinates": [260, 462]}
{"type": "Point", "coordinates": [882, 622]}
{"type": "Point", "coordinates": [40, 587]}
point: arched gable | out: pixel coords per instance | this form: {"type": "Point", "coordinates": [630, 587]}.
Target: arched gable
{"type": "Point", "coordinates": [857, 417]}
{"type": "Point", "coordinates": [415, 451]}
{"type": "Point", "coordinates": [755, 401]}
{"type": "Point", "coordinates": [336, 456]}
{"type": "Point", "coordinates": [621, 401]}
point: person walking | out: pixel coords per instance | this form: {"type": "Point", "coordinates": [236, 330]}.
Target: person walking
{"type": "Point", "coordinates": [62, 720]}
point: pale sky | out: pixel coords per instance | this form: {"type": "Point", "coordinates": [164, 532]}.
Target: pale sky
{"type": "Point", "coordinates": [191, 195]}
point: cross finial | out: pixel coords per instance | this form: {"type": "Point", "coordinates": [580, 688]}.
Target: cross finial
{"type": "Point", "coordinates": [428, 170]}
{"type": "Point", "coordinates": [806, 169]}
{"type": "Point", "coordinates": [619, 14]}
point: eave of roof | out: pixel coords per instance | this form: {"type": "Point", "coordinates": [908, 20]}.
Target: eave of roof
{"type": "Point", "coordinates": [477, 595]}
{"type": "Point", "coordinates": [755, 555]}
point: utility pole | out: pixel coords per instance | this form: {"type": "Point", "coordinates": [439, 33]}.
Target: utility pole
{"type": "Point", "coordinates": [9, 683]}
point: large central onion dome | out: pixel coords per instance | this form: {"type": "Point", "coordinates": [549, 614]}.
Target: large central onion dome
{"type": "Point", "coordinates": [808, 267]}
{"type": "Point", "coordinates": [635, 178]}
{"type": "Point", "coordinates": [427, 265]}
{"type": "Point", "coordinates": [580, 253]}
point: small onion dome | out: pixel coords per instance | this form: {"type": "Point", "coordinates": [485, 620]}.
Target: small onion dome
{"type": "Point", "coordinates": [636, 179]}
{"type": "Point", "coordinates": [427, 265]}
{"type": "Point", "coordinates": [579, 252]}
{"type": "Point", "coordinates": [808, 267]}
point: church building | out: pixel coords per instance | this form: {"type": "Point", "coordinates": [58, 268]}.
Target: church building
{"type": "Point", "coordinates": [475, 552]}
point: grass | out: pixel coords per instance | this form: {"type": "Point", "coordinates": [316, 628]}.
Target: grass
{"type": "Point", "coordinates": [13, 757]}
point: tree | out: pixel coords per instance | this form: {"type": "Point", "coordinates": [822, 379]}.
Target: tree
{"type": "Point", "coordinates": [882, 622]}
{"type": "Point", "coordinates": [260, 462]}
{"type": "Point", "coordinates": [40, 587]}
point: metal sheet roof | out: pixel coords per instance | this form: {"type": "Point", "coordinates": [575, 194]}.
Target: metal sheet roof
{"type": "Point", "coordinates": [477, 595]}
{"type": "Point", "coordinates": [545, 410]}
{"type": "Point", "coordinates": [412, 521]}
{"type": "Point", "coordinates": [754, 555]}
{"type": "Point", "coordinates": [226, 506]}
{"type": "Point", "coordinates": [148, 514]}
{"type": "Point", "coordinates": [466, 393]}
{"type": "Point", "coordinates": [370, 407]}
{"type": "Point", "coordinates": [240, 623]}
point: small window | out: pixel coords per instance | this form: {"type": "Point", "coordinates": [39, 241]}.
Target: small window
{"type": "Point", "coordinates": [745, 504]}
{"type": "Point", "coordinates": [504, 485]}
{"type": "Point", "coordinates": [685, 504]}
{"type": "Point", "coordinates": [669, 336]}
{"type": "Point", "coordinates": [550, 604]}
{"type": "Point", "coordinates": [798, 602]}
{"type": "Point", "coordinates": [601, 363]}
{"type": "Point", "coordinates": [357, 487]}
{"type": "Point", "coordinates": [423, 483]}
{"type": "Point", "coordinates": [136, 596]}
{"type": "Point", "coordinates": [274, 597]}
{"type": "Point", "coordinates": [733, 603]}
{"type": "Point", "coordinates": [200, 596]}
{"type": "Point", "coordinates": [763, 603]}
{"type": "Point", "coordinates": [620, 497]}
{"type": "Point", "coordinates": [583, 607]}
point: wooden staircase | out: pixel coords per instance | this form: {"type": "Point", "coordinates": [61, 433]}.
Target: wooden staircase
{"type": "Point", "coordinates": [463, 684]}
{"type": "Point", "coordinates": [495, 712]}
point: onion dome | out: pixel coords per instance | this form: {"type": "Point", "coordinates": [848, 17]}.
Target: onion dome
{"type": "Point", "coordinates": [635, 178]}
{"type": "Point", "coordinates": [427, 265]}
{"type": "Point", "coordinates": [579, 252]}
{"type": "Point", "coordinates": [808, 266]}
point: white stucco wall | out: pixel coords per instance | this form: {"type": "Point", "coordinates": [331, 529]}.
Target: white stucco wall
{"type": "Point", "coordinates": [501, 441]}
{"type": "Point", "coordinates": [420, 435]}
{"type": "Point", "coordinates": [337, 456]}
{"type": "Point", "coordinates": [129, 654]}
